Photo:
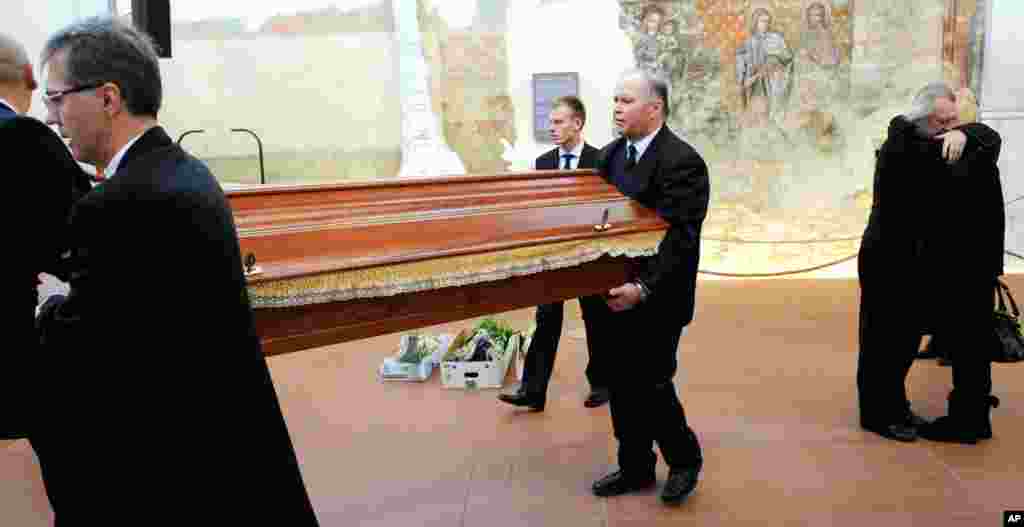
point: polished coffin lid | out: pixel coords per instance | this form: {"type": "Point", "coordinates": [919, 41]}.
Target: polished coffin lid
{"type": "Point", "coordinates": [304, 237]}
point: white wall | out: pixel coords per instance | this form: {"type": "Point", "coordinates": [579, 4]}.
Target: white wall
{"type": "Point", "coordinates": [560, 37]}
{"type": "Point", "coordinates": [308, 93]}
{"type": "Point", "coordinates": [30, 25]}
{"type": "Point", "coordinates": [1002, 108]}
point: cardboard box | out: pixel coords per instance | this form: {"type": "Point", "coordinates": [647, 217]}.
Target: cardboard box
{"type": "Point", "coordinates": [394, 370]}
{"type": "Point", "coordinates": [479, 374]}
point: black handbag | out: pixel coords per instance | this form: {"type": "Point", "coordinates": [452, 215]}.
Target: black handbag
{"type": "Point", "coordinates": [1009, 345]}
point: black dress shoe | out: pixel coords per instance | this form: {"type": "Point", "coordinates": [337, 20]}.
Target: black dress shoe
{"type": "Point", "coordinates": [966, 424]}
{"type": "Point", "coordinates": [947, 430]}
{"type": "Point", "coordinates": [521, 398]}
{"type": "Point", "coordinates": [597, 397]}
{"type": "Point", "coordinates": [679, 485]}
{"type": "Point", "coordinates": [898, 431]}
{"type": "Point", "coordinates": [618, 483]}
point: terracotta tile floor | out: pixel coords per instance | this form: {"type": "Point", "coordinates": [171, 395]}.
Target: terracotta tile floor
{"type": "Point", "coordinates": [767, 378]}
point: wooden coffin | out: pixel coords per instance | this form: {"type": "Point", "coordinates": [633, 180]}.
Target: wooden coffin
{"type": "Point", "coordinates": [310, 232]}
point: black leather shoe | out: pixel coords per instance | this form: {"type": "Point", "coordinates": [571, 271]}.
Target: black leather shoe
{"type": "Point", "coordinates": [618, 483]}
{"type": "Point", "coordinates": [947, 430]}
{"type": "Point", "coordinates": [597, 397]}
{"type": "Point", "coordinates": [680, 483]}
{"type": "Point", "coordinates": [965, 424]}
{"type": "Point", "coordinates": [898, 432]}
{"type": "Point", "coordinates": [521, 398]}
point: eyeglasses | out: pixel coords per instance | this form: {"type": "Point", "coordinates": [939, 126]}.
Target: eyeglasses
{"type": "Point", "coordinates": [56, 97]}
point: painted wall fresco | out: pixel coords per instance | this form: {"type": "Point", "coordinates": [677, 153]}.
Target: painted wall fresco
{"type": "Point", "coordinates": [787, 100]}
{"type": "Point", "coordinates": [470, 73]}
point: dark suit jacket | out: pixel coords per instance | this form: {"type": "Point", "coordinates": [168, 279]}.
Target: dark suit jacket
{"type": "Point", "coordinates": [44, 189]}
{"type": "Point", "coordinates": [550, 160]}
{"type": "Point", "coordinates": [970, 237]}
{"type": "Point", "coordinates": [163, 404]}
{"type": "Point", "coordinates": [41, 189]}
{"type": "Point", "coordinates": [672, 179]}
{"type": "Point", "coordinates": [935, 233]}
{"type": "Point", "coordinates": [927, 215]}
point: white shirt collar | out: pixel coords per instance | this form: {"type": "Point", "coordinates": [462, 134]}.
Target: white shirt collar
{"type": "Point", "coordinates": [578, 151]}
{"type": "Point", "coordinates": [574, 162]}
{"type": "Point", "coordinates": [116, 160]}
{"type": "Point", "coordinates": [9, 105]}
{"type": "Point", "coordinates": [643, 143]}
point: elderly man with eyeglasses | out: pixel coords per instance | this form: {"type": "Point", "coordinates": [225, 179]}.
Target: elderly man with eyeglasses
{"type": "Point", "coordinates": [166, 410]}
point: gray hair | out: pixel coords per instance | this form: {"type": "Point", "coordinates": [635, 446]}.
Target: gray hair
{"type": "Point", "coordinates": [657, 86]}
{"type": "Point", "coordinates": [924, 102]}
{"type": "Point", "coordinates": [104, 49]}
{"type": "Point", "coordinates": [12, 59]}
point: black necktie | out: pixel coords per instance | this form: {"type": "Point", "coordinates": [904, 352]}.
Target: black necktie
{"type": "Point", "coordinates": [567, 158]}
{"type": "Point", "coordinates": [630, 157]}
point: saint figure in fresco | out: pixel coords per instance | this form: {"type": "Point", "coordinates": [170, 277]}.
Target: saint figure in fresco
{"type": "Point", "coordinates": [646, 44]}
{"type": "Point", "coordinates": [818, 43]}
{"type": "Point", "coordinates": [668, 43]}
{"type": "Point", "coordinates": [818, 82]}
{"type": "Point", "coordinates": [764, 70]}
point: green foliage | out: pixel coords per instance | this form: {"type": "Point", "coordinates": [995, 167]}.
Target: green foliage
{"type": "Point", "coordinates": [500, 331]}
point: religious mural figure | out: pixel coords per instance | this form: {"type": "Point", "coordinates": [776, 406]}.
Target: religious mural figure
{"type": "Point", "coordinates": [764, 70]}
{"type": "Point", "coordinates": [818, 77]}
{"type": "Point", "coordinates": [818, 45]}
{"type": "Point", "coordinates": [670, 54]}
{"type": "Point", "coordinates": [646, 44]}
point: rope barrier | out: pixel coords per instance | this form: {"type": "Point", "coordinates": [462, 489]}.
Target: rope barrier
{"type": "Point", "coordinates": [780, 273]}
{"type": "Point", "coordinates": [782, 242]}
{"type": "Point", "coordinates": [805, 242]}
{"type": "Point", "coordinates": [800, 271]}
{"type": "Point", "coordinates": [1015, 255]}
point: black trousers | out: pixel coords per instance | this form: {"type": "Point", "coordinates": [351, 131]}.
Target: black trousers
{"type": "Point", "coordinates": [15, 388]}
{"type": "Point", "coordinates": [890, 335]}
{"type": "Point", "coordinates": [539, 364]}
{"type": "Point", "coordinates": [888, 338]}
{"type": "Point", "coordinates": [645, 408]}
{"type": "Point", "coordinates": [966, 322]}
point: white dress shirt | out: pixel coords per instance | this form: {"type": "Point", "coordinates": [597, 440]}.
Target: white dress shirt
{"type": "Point", "coordinates": [643, 143]}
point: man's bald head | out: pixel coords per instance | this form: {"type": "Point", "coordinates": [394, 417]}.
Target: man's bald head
{"type": "Point", "coordinates": [16, 79]}
{"type": "Point", "coordinates": [12, 59]}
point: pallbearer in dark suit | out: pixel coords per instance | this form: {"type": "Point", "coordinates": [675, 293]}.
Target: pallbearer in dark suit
{"type": "Point", "coordinates": [161, 403]}
{"type": "Point", "coordinates": [44, 190]}
{"type": "Point", "coordinates": [568, 115]}
{"type": "Point", "coordinates": [652, 165]}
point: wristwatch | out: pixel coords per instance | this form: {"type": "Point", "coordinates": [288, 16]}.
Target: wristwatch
{"type": "Point", "coordinates": [644, 292]}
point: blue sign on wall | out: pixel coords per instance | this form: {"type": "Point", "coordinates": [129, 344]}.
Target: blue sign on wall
{"type": "Point", "coordinates": [547, 87]}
